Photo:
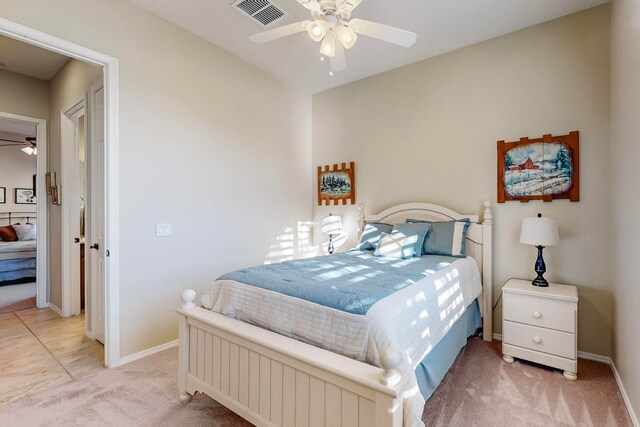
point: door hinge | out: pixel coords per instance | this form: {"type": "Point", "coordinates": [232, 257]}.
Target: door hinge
{"type": "Point", "coordinates": [107, 253]}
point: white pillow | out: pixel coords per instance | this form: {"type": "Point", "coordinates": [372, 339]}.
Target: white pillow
{"type": "Point", "coordinates": [390, 245]}
{"type": "Point", "coordinates": [25, 231]}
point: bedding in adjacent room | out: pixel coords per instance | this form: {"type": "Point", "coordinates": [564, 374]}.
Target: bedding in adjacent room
{"type": "Point", "coordinates": [17, 260]}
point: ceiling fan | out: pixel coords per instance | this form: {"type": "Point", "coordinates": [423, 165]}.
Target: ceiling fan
{"type": "Point", "coordinates": [335, 30]}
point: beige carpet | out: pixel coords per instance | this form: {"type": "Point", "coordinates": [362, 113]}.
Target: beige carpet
{"type": "Point", "coordinates": [480, 390]}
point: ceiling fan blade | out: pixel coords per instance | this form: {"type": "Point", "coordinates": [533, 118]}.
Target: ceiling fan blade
{"type": "Point", "coordinates": [276, 33]}
{"type": "Point", "coordinates": [383, 32]}
{"type": "Point", "coordinates": [339, 61]}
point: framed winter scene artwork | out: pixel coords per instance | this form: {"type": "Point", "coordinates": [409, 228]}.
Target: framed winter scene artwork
{"type": "Point", "coordinates": [544, 168]}
{"type": "Point", "coordinates": [25, 196]}
{"type": "Point", "coordinates": [336, 185]}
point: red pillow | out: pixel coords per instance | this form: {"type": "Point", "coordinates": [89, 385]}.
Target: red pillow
{"type": "Point", "coordinates": [8, 234]}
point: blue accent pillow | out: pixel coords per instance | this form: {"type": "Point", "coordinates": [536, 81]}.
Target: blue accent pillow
{"type": "Point", "coordinates": [415, 235]}
{"type": "Point", "coordinates": [445, 237]}
{"type": "Point", "coordinates": [371, 235]}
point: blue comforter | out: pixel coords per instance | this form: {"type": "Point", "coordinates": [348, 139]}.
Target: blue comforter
{"type": "Point", "coordinates": [351, 281]}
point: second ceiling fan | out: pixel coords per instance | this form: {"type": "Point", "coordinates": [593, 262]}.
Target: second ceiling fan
{"type": "Point", "coordinates": [335, 30]}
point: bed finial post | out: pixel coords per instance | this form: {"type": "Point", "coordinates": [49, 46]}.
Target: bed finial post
{"type": "Point", "coordinates": [188, 295]}
{"type": "Point", "coordinates": [360, 218]}
{"type": "Point", "coordinates": [187, 299]}
{"type": "Point", "coordinates": [488, 213]}
{"type": "Point", "coordinates": [390, 361]}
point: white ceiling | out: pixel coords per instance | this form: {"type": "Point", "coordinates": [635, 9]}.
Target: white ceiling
{"type": "Point", "coordinates": [17, 127]}
{"type": "Point", "coordinates": [441, 25]}
{"type": "Point", "coordinates": [32, 61]}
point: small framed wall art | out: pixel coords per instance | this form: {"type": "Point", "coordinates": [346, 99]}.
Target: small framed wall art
{"type": "Point", "coordinates": [337, 185]}
{"type": "Point", "coordinates": [3, 195]}
{"type": "Point", "coordinates": [25, 196]}
{"type": "Point", "coordinates": [50, 181]}
{"type": "Point", "coordinates": [55, 195]}
{"type": "Point", "coordinates": [544, 168]}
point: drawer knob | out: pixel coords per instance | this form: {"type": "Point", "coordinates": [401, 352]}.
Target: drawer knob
{"type": "Point", "coordinates": [537, 340]}
{"type": "Point", "coordinates": [537, 314]}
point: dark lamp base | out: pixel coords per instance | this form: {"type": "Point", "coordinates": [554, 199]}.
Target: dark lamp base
{"type": "Point", "coordinates": [540, 282]}
{"type": "Point", "coordinates": [540, 269]}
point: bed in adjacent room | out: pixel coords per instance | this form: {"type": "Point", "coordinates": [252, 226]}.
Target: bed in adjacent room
{"type": "Point", "coordinates": [17, 249]}
{"type": "Point", "coordinates": [303, 341]}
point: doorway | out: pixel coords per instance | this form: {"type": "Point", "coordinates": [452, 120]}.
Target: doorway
{"type": "Point", "coordinates": [83, 250]}
{"type": "Point", "coordinates": [110, 209]}
{"type": "Point", "coordinates": [23, 206]}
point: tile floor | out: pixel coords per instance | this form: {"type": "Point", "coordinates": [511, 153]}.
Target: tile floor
{"type": "Point", "coordinates": [41, 350]}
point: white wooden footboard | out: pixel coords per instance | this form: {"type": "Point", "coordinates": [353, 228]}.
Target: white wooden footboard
{"type": "Point", "coordinates": [272, 380]}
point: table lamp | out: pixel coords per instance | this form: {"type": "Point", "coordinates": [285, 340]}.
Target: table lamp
{"type": "Point", "coordinates": [539, 232]}
{"type": "Point", "coordinates": [331, 225]}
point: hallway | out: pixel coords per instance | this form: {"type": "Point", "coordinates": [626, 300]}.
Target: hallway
{"type": "Point", "coordinates": [41, 350]}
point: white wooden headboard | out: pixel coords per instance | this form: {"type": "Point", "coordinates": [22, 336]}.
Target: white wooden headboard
{"type": "Point", "coordinates": [478, 243]}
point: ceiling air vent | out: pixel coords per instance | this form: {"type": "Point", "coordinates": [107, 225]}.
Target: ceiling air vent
{"type": "Point", "coordinates": [263, 12]}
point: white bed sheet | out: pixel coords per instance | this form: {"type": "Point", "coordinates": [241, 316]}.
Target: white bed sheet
{"type": "Point", "coordinates": [406, 320]}
{"type": "Point", "coordinates": [18, 249]}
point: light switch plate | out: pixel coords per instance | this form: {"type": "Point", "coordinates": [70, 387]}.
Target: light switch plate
{"type": "Point", "coordinates": [163, 230]}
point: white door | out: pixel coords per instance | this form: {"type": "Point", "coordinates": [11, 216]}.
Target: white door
{"type": "Point", "coordinates": [95, 247]}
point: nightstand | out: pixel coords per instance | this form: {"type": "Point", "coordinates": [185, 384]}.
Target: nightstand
{"type": "Point", "coordinates": [541, 325]}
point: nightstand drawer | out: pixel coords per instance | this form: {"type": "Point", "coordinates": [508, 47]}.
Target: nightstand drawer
{"type": "Point", "coordinates": [537, 311]}
{"type": "Point", "coordinates": [544, 340]}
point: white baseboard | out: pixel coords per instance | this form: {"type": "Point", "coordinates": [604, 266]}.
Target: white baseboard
{"type": "Point", "coordinates": [148, 352]}
{"type": "Point", "coordinates": [594, 357]}
{"type": "Point", "coordinates": [608, 361]}
{"type": "Point", "coordinates": [55, 309]}
{"type": "Point", "coordinates": [625, 397]}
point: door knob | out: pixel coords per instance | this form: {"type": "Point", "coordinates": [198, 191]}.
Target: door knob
{"type": "Point", "coordinates": [76, 240]}
{"type": "Point", "coordinates": [95, 246]}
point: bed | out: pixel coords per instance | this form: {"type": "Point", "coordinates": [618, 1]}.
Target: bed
{"type": "Point", "coordinates": [338, 361]}
{"type": "Point", "coordinates": [18, 258]}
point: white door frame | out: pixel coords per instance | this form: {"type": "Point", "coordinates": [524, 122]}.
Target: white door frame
{"type": "Point", "coordinates": [110, 72]}
{"type": "Point", "coordinates": [42, 265]}
{"type": "Point", "coordinates": [70, 173]}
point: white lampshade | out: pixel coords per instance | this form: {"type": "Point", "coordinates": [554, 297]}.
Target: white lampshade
{"type": "Point", "coordinates": [346, 36]}
{"type": "Point", "coordinates": [331, 225]}
{"type": "Point", "coordinates": [328, 45]}
{"type": "Point", "coordinates": [539, 231]}
{"type": "Point", "coordinates": [317, 30]}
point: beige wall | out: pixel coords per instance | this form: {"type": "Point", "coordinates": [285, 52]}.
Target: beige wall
{"type": "Point", "coordinates": [209, 143]}
{"type": "Point", "coordinates": [16, 171]}
{"type": "Point", "coordinates": [428, 132]}
{"type": "Point", "coordinates": [625, 176]}
{"type": "Point", "coordinates": [67, 86]}
{"type": "Point", "coordinates": [24, 95]}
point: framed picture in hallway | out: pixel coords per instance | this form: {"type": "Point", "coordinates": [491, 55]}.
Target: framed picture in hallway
{"type": "Point", "coordinates": [3, 195]}
{"type": "Point", "coordinates": [544, 168]}
{"type": "Point", "coordinates": [25, 196]}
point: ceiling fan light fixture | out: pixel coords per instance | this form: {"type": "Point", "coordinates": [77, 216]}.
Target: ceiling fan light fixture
{"type": "Point", "coordinates": [348, 5]}
{"type": "Point", "coordinates": [317, 30]}
{"type": "Point", "coordinates": [28, 150]}
{"type": "Point", "coordinates": [346, 36]}
{"type": "Point", "coordinates": [310, 4]}
{"type": "Point", "coordinates": [328, 46]}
